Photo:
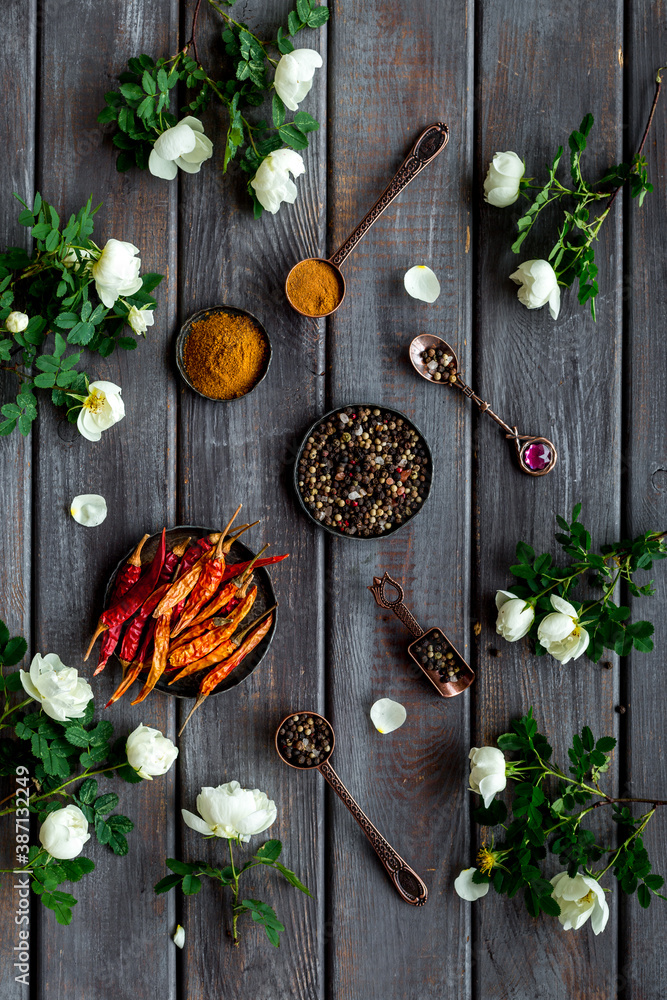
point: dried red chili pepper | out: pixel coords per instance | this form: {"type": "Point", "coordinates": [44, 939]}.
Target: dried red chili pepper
{"type": "Point", "coordinates": [225, 667]}
{"type": "Point", "coordinates": [126, 606]}
{"type": "Point", "coordinates": [234, 568]}
{"type": "Point", "coordinates": [126, 578]}
{"type": "Point", "coordinates": [203, 644]}
{"type": "Point", "coordinates": [236, 587]}
{"type": "Point", "coordinates": [160, 651]}
{"type": "Point", "coordinates": [135, 628]}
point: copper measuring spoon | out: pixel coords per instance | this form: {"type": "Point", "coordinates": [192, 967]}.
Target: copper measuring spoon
{"type": "Point", "coordinates": [406, 881]}
{"type": "Point", "coordinates": [536, 455]}
{"type": "Point", "coordinates": [431, 142]}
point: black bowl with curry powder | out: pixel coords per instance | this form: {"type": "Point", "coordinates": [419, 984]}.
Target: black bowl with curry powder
{"type": "Point", "coordinates": [223, 353]}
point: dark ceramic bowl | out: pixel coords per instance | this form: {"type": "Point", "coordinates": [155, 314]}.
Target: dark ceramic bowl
{"type": "Point", "coordinates": [266, 598]}
{"type": "Point", "coordinates": [184, 333]}
{"type": "Point", "coordinates": [395, 527]}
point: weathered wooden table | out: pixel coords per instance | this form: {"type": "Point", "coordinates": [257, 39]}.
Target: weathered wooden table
{"type": "Point", "coordinates": [503, 75]}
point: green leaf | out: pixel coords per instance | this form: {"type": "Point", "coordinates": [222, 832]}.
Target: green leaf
{"type": "Point", "coordinates": [293, 137]}
{"type": "Point", "coordinates": [166, 883]}
{"type": "Point", "coordinates": [88, 791]}
{"type": "Point", "coordinates": [270, 850]}
{"type": "Point", "coordinates": [317, 17]}
{"type": "Point", "coordinates": [293, 23]}
{"type": "Point", "coordinates": [150, 281]}
{"type": "Point", "coordinates": [278, 109]}
{"type": "Point", "coordinates": [283, 43]}
{"type": "Point", "coordinates": [27, 218]}
{"type": "Point", "coordinates": [132, 91]}
{"type": "Point", "coordinates": [654, 882]}
{"type": "Point", "coordinates": [303, 9]}
{"type": "Point", "coordinates": [14, 651]}
{"type": "Point", "coordinates": [605, 744]}
{"type": "Point", "coordinates": [148, 83]}
{"type": "Point", "coordinates": [292, 878]}
{"type": "Point", "coordinates": [191, 885]}
{"type": "Point", "coordinates": [182, 867]}
{"type": "Point", "coordinates": [644, 896]}
{"type": "Point", "coordinates": [105, 803]}
{"type": "Point", "coordinates": [45, 380]}
{"type": "Point", "coordinates": [305, 122]}
{"type": "Point", "coordinates": [61, 909]}
{"type": "Point", "coordinates": [549, 905]}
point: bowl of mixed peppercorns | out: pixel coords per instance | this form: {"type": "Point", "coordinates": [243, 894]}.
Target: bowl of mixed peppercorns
{"type": "Point", "coordinates": [363, 471]}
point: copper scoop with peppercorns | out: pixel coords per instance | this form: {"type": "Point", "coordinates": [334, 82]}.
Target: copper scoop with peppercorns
{"type": "Point", "coordinates": [436, 361]}
{"type": "Point", "coordinates": [431, 650]}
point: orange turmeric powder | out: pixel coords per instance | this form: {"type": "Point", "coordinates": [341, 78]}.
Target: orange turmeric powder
{"type": "Point", "coordinates": [225, 355]}
{"type": "Point", "coordinates": [314, 287]}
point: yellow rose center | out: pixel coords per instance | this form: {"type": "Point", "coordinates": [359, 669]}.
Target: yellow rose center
{"type": "Point", "coordinates": [95, 401]}
{"type": "Point", "coordinates": [588, 898]}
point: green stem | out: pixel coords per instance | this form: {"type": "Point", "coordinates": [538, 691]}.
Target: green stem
{"type": "Point", "coordinates": [59, 789]}
{"type": "Point", "coordinates": [26, 868]}
{"type": "Point", "coordinates": [633, 835]}
{"type": "Point", "coordinates": [242, 27]}
{"type": "Point", "coordinates": [14, 709]}
{"type": "Point", "coordinates": [235, 890]}
{"type": "Point", "coordinates": [225, 101]}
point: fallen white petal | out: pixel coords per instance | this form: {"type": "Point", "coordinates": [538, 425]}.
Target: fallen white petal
{"type": "Point", "coordinates": [89, 509]}
{"type": "Point", "coordinates": [179, 936]}
{"type": "Point", "coordinates": [387, 715]}
{"type": "Point", "coordinates": [421, 283]}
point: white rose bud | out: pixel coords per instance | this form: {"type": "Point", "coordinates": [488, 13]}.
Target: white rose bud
{"type": "Point", "coordinates": [539, 285]}
{"type": "Point", "coordinates": [16, 322]}
{"type": "Point", "coordinates": [272, 183]}
{"type": "Point", "coordinates": [60, 691]}
{"type": "Point", "coordinates": [149, 752]}
{"type": "Point", "coordinates": [116, 271]}
{"type": "Point", "coordinates": [487, 772]}
{"type": "Point", "coordinates": [515, 616]}
{"type": "Point", "coordinates": [64, 833]}
{"type": "Point", "coordinates": [294, 76]}
{"type": "Point", "coordinates": [139, 320]}
{"type": "Point", "coordinates": [503, 179]}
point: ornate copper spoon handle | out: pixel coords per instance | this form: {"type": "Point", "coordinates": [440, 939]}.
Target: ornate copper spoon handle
{"type": "Point", "coordinates": [397, 606]}
{"type": "Point", "coordinates": [407, 882]}
{"type": "Point", "coordinates": [431, 142]}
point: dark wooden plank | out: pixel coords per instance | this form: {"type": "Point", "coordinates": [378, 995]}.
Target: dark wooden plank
{"type": "Point", "coordinates": [642, 965]}
{"type": "Point", "coordinates": [391, 75]}
{"type": "Point", "coordinates": [120, 932]}
{"type": "Point", "coordinates": [243, 452]}
{"type": "Point", "coordinates": [536, 76]}
{"type": "Point", "coordinates": [17, 133]}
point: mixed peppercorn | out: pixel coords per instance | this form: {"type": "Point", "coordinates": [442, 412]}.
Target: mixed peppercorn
{"type": "Point", "coordinates": [305, 740]}
{"type": "Point", "coordinates": [441, 366]}
{"type": "Point", "coordinates": [364, 471]}
{"type": "Point", "coordinates": [433, 652]}
{"type": "Point", "coordinates": [179, 614]}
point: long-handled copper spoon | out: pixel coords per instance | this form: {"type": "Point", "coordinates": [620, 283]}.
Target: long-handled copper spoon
{"type": "Point", "coordinates": [406, 881]}
{"type": "Point", "coordinates": [536, 455]}
{"type": "Point", "coordinates": [431, 142]}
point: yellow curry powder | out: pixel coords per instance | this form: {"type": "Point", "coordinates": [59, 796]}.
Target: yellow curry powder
{"type": "Point", "coordinates": [314, 287]}
{"type": "Point", "coordinates": [225, 355]}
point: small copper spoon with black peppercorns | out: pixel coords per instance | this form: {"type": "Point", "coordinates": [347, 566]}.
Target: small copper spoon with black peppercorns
{"type": "Point", "coordinates": [536, 455]}
{"type": "Point", "coordinates": [305, 740]}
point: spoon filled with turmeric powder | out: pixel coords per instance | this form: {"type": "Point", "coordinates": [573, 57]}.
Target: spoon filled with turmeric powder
{"type": "Point", "coordinates": [223, 353]}
{"type": "Point", "coordinates": [315, 286]}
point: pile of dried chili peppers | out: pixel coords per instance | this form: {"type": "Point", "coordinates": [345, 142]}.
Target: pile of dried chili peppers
{"type": "Point", "coordinates": [179, 614]}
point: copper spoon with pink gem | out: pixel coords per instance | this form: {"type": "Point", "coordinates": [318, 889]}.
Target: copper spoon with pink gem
{"type": "Point", "coordinates": [536, 455]}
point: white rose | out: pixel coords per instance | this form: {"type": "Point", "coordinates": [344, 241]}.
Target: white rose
{"type": "Point", "coordinates": [184, 146]}
{"type": "Point", "coordinates": [78, 263]}
{"type": "Point", "coordinates": [467, 889]}
{"type": "Point", "coordinates": [149, 752]}
{"type": "Point", "coordinates": [101, 409]}
{"type": "Point", "coordinates": [140, 320]}
{"type": "Point", "coordinates": [16, 322]}
{"type": "Point", "coordinates": [116, 271]}
{"type": "Point", "coordinates": [580, 898]}
{"type": "Point", "coordinates": [272, 183]}
{"type": "Point", "coordinates": [501, 186]}
{"type": "Point", "coordinates": [232, 812]}
{"type": "Point", "coordinates": [561, 634]}
{"type": "Point", "coordinates": [294, 76]}
{"type": "Point", "coordinates": [64, 832]}
{"type": "Point", "coordinates": [58, 689]}
{"type": "Point", "coordinates": [539, 285]}
{"type": "Point", "coordinates": [487, 772]}
{"type": "Point", "coordinates": [515, 616]}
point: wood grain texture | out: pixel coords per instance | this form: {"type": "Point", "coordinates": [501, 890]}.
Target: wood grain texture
{"type": "Point", "coordinates": [643, 966]}
{"type": "Point", "coordinates": [17, 133]}
{"type": "Point", "coordinates": [243, 452]}
{"type": "Point", "coordinates": [121, 930]}
{"type": "Point", "coordinates": [392, 74]}
{"type": "Point", "coordinates": [539, 69]}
